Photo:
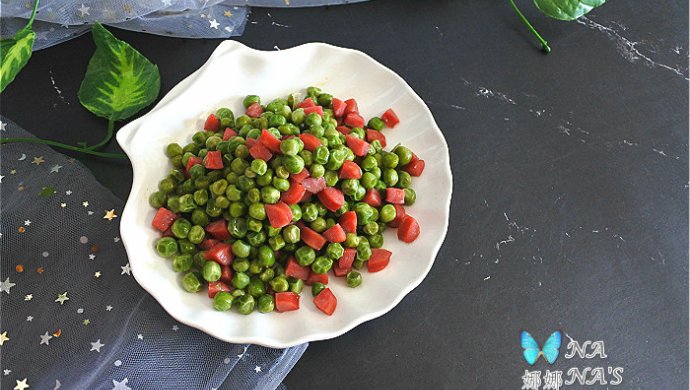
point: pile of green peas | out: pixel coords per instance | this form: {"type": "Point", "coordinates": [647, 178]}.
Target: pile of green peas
{"type": "Point", "coordinates": [239, 192]}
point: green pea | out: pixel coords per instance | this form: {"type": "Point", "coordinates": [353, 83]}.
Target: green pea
{"type": "Point", "coordinates": [236, 293]}
{"type": "Point", "coordinates": [305, 255]}
{"type": "Point", "coordinates": [212, 142]}
{"type": "Point", "coordinates": [173, 203]}
{"type": "Point", "coordinates": [307, 157]}
{"type": "Point", "coordinates": [281, 184]}
{"type": "Point", "coordinates": [211, 271]}
{"type": "Point", "coordinates": [245, 304]}
{"type": "Point", "coordinates": [182, 263]}
{"type": "Point", "coordinates": [279, 284]}
{"type": "Point", "coordinates": [157, 199]}
{"type": "Point", "coordinates": [353, 279]}
{"type": "Point", "coordinates": [364, 213]}
{"type": "Point", "coordinates": [245, 184]}
{"type": "Point", "coordinates": [265, 303]}
{"type": "Point", "coordinates": [387, 213]}
{"type": "Point", "coordinates": [259, 166]}
{"type": "Point", "coordinates": [240, 280]}
{"type": "Point", "coordinates": [316, 288]}
{"type": "Point", "coordinates": [199, 217]}
{"type": "Point", "coordinates": [296, 285]}
{"type": "Point", "coordinates": [225, 113]}
{"type": "Point", "coordinates": [166, 246]}
{"type": "Point", "coordinates": [276, 120]}
{"type": "Point", "coordinates": [166, 185]}
{"type": "Point", "coordinates": [319, 225]}
{"type": "Point", "coordinates": [297, 117]}
{"type": "Point", "coordinates": [380, 185]}
{"type": "Point", "coordinates": [276, 243]}
{"type": "Point", "coordinates": [256, 238]}
{"type": "Point", "coordinates": [267, 275]}
{"type": "Point", "coordinates": [196, 234]}
{"type": "Point", "coordinates": [222, 202]}
{"type": "Point", "coordinates": [233, 193]}
{"type": "Point", "coordinates": [199, 138]}
{"type": "Point", "coordinates": [270, 195]}
{"type": "Point", "coordinates": [357, 132]}
{"type": "Point", "coordinates": [376, 171]}
{"type": "Point", "coordinates": [237, 228]}
{"type": "Point", "coordinates": [238, 209]}
{"type": "Point", "coordinates": [251, 99]}
{"type": "Point", "coordinates": [293, 164]}
{"type": "Point", "coordinates": [257, 211]}
{"type": "Point", "coordinates": [240, 265]}
{"type": "Point", "coordinates": [266, 256]}
{"type": "Point", "coordinates": [331, 178]}
{"type": "Point", "coordinates": [177, 162]}
{"type": "Point", "coordinates": [317, 170]}
{"type": "Point", "coordinates": [351, 240]}
{"type": "Point", "coordinates": [173, 150]}
{"type": "Point", "coordinates": [256, 288]}
{"type": "Point", "coordinates": [253, 196]}
{"type": "Point", "coordinates": [376, 123]}
{"type": "Point", "coordinates": [357, 264]}
{"type": "Point", "coordinates": [240, 249]}
{"type": "Point", "coordinates": [368, 180]}
{"type": "Point", "coordinates": [200, 197]}
{"type": "Point", "coordinates": [349, 186]}
{"type": "Point", "coordinates": [313, 119]}
{"type": "Point", "coordinates": [296, 212]}
{"type": "Point", "coordinates": [336, 159]}
{"type": "Point", "coordinates": [280, 173]}
{"type": "Point", "coordinates": [219, 187]}
{"type": "Point", "coordinates": [310, 212]}
{"type": "Point", "coordinates": [410, 196]}
{"type": "Point", "coordinates": [242, 152]}
{"type": "Point", "coordinates": [176, 175]}
{"type": "Point", "coordinates": [201, 182]}
{"type": "Point", "coordinates": [291, 234]}
{"type": "Point", "coordinates": [313, 92]}
{"type": "Point", "coordinates": [186, 247]}
{"type": "Point", "coordinates": [404, 154]}
{"type": "Point", "coordinates": [363, 250]}
{"type": "Point", "coordinates": [390, 160]}
{"type": "Point", "coordinates": [212, 210]}
{"type": "Point", "coordinates": [290, 146]}
{"type": "Point", "coordinates": [223, 301]}
{"type": "Point", "coordinates": [390, 177]}
{"type": "Point", "coordinates": [191, 282]}
{"type": "Point", "coordinates": [371, 228]}
{"type": "Point", "coordinates": [404, 179]}
{"type": "Point", "coordinates": [376, 240]}
{"type": "Point", "coordinates": [255, 268]}
{"type": "Point", "coordinates": [321, 265]}
{"type": "Point", "coordinates": [322, 209]}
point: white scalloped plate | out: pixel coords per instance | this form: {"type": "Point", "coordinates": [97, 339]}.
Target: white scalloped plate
{"type": "Point", "coordinates": [232, 72]}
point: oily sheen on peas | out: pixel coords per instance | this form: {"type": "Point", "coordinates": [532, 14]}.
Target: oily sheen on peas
{"type": "Point", "coordinates": [291, 191]}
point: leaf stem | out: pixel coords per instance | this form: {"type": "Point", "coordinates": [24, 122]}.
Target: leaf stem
{"type": "Point", "coordinates": [108, 136]}
{"type": "Point", "coordinates": [63, 146]}
{"type": "Point", "coordinates": [544, 44]}
{"type": "Point", "coordinates": [33, 15]}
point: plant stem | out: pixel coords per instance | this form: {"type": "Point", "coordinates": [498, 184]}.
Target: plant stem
{"type": "Point", "coordinates": [33, 15]}
{"type": "Point", "coordinates": [61, 145]}
{"type": "Point", "coordinates": [544, 44]}
{"type": "Point", "coordinates": [108, 136]}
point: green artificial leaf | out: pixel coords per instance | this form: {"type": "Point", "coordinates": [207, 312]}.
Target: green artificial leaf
{"type": "Point", "coordinates": [119, 80]}
{"type": "Point", "coordinates": [567, 9]}
{"type": "Point", "coordinates": [16, 51]}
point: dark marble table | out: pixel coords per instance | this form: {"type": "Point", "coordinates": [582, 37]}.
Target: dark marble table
{"type": "Point", "coordinates": [570, 206]}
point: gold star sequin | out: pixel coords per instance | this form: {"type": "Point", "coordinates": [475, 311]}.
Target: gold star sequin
{"type": "Point", "coordinates": [4, 337]}
{"type": "Point", "coordinates": [109, 215]}
{"type": "Point", "coordinates": [97, 274]}
{"type": "Point", "coordinates": [228, 14]}
{"type": "Point", "coordinates": [38, 160]}
{"type": "Point", "coordinates": [86, 321]}
{"type": "Point", "coordinates": [62, 298]}
{"type": "Point", "coordinates": [13, 172]}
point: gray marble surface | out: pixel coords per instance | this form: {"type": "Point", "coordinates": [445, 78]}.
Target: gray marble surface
{"type": "Point", "coordinates": [570, 206]}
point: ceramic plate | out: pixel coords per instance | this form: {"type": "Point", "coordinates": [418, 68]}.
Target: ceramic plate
{"type": "Point", "coordinates": [232, 72]}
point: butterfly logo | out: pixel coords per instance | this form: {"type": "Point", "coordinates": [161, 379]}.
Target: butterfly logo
{"type": "Point", "coordinates": [532, 351]}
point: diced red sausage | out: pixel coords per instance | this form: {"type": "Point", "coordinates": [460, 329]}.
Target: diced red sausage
{"type": "Point", "coordinates": [359, 147]}
{"type": "Point", "coordinates": [326, 301]}
{"type": "Point", "coordinates": [314, 185]}
{"type": "Point", "coordinates": [229, 133]}
{"type": "Point", "coordinates": [311, 142]}
{"type": "Point", "coordinates": [212, 123]}
{"type": "Point", "coordinates": [255, 110]}
{"type": "Point", "coordinates": [338, 107]}
{"type": "Point", "coordinates": [221, 253]}
{"type": "Point", "coordinates": [279, 214]}
{"type": "Point", "coordinates": [259, 151]}
{"type": "Point", "coordinates": [373, 135]}
{"type": "Point", "coordinates": [354, 120]}
{"type": "Point", "coordinates": [192, 161]}
{"type": "Point", "coordinates": [208, 244]}
{"type": "Point", "coordinates": [390, 118]}
{"type": "Point", "coordinates": [294, 194]}
{"type": "Point", "coordinates": [292, 268]}
{"type": "Point", "coordinates": [379, 259]}
{"type": "Point", "coordinates": [372, 198]}
{"type": "Point", "coordinates": [270, 142]}
{"type": "Point", "coordinates": [335, 233]}
{"type": "Point", "coordinates": [316, 109]}
{"type": "Point", "coordinates": [316, 278]}
{"type": "Point", "coordinates": [395, 195]}
{"type": "Point", "coordinates": [399, 215]}
{"type": "Point", "coordinates": [226, 274]}
{"type": "Point", "coordinates": [408, 230]}
{"type": "Point", "coordinates": [164, 219]}
{"type": "Point", "coordinates": [415, 167]}
{"type": "Point", "coordinates": [351, 107]}
{"type": "Point", "coordinates": [338, 271]}
{"type": "Point", "coordinates": [312, 238]}
{"type": "Point", "coordinates": [348, 221]}
{"type": "Point", "coordinates": [213, 160]}
{"type": "Point", "coordinates": [344, 129]}
{"type": "Point", "coordinates": [331, 198]}
{"type": "Point", "coordinates": [299, 177]}
{"type": "Point", "coordinates": [218, 229]}
{"type": "Point", "coordinates": [350, 170]}
{"type": "Point", "coordinates": [216, 287]}
{"type": "Point", "coordinates": [347, 258]}
{"type": "Point", "coordinates": [306, 103]}
{"type": "Point", "coordinates": [287, 301]}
